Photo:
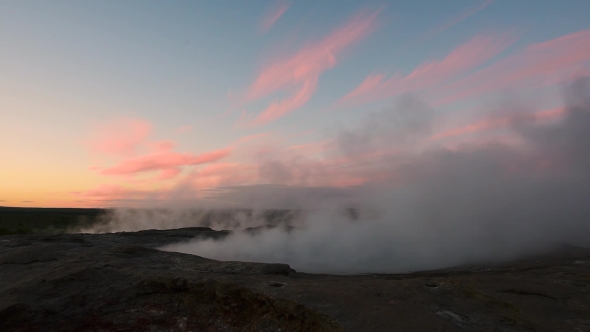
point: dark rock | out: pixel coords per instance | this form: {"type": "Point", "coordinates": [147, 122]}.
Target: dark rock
{"type": "Point", "coordinates": [431, 284]}
{"type": "Point", "coordinates": [276, 284]}
{"type": "Point", "coordinates": [120, 282]}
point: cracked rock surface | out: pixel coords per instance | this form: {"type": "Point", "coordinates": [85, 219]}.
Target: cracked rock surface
{"type": "Point", "coordinates": [119, 282]}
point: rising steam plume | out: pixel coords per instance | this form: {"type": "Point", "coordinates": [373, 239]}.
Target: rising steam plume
{"type": "Point", "coordinates": [440, 206]}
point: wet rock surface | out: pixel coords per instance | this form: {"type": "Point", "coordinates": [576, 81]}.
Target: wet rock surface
{"type": "Point", "coordinates": [120, 282]}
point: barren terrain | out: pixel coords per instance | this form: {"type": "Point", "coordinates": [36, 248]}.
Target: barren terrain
{"type": "Point", "coordinates": [119, 282]}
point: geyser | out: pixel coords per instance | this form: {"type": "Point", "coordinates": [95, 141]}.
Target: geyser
{"type": "Point", "coordinates": [440, 206]}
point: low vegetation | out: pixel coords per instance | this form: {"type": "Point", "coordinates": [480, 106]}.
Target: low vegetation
{"type": "Point", "coordinates": [15, 220]}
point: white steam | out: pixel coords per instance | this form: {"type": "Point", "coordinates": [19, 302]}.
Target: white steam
{"type": "Point", "coordinates": [437, 207]}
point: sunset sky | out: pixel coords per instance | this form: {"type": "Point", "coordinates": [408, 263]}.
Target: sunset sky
{"type": "Point", "coordinates": [104, 103]}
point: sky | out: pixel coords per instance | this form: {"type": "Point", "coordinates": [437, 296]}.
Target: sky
{"type": "Point", "coordinates": [111, 103]}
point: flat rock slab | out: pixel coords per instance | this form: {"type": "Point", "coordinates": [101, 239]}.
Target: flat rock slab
{"type": "Point", "coordinates": [120, 282]}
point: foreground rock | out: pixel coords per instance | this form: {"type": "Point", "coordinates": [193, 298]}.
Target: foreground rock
{"type": "Point", "coordinates": [119, 282]}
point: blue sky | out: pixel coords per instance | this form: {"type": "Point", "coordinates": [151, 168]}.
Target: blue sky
{"type": "Point", "coordinates": [69, 67]}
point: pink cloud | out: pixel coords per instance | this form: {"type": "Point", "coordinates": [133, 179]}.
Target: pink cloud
{"type": "Point", "coordinates": [216, 169]}
{"type": "Point", "coordinates": [104, 191]}
{"type": "Point", "coordinates": [114, 195]}
{"type": "Point", "coordinates": [431, 73]}
{"type": "Point", "coordinates": [368, 87]}
{"type": "Point", "coordinates": [286, 168]}
{"type": "Point", "coordinates": [300, 72]}
{"type": "Point", "coordinates": [273, 15]}
{"type": "Point", "coordinates": [164, 160]}
{"type": "Point", "coordinates": [252, 137]}
{"type": "Point", "coordinates": [305, 133]}
{"type": "Point", "coordinates": [169, 173]}
{"type": "Point", "coordinates": [536, 66]}
{"type": "Point", "coordinates": [125, 136]}
{"type": "Point", "coordinates": [216, 175]}
{"type": "Point", "coordinates": [161, 146]}
{"type": "Point", "coordinates": [493, 123]}
{"type": "Point", "coordinates": [456, 19]}
{"type": "Point", "coordinates": [122, 137]}
{"type": "Point", "coordinates": [281, 107]}
{"type": "Point", "coordinates": [310, 149]}
{"type": "Point", "coordinates": [184, 129]}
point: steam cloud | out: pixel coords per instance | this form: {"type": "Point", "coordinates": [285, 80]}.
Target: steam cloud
{"type": "Point", "coordinates": [440, 206]}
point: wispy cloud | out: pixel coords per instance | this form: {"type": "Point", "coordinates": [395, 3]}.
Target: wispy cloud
{"type": "Point", "coordinates": [164, 160]}
{"type": "Point", "coordinates": [539, 65]}
{"type": "Point", "coordinates": [273, 14]}
{"type": "Point", "coordinates": [252, 137]}
{"type": "Point", "coordinates": [110, 195]}
{"type": "Point", "coordinates": [431, 73]}
{"type": "Point", "coordinates": [373, 151]}
{"type": "Point", "coordinates": [300, 72]}
{"type": "Point", "coordinates": [501, 122]}
{"type": "Point", "coordinates": [454, 20]}
{"type": "Point", "coordinates": [281, 107]}
{"type": "Point", "coordinates": [104, 191]}
{"type": "Point", "coordinates": [128, 136]}
{"type": "Point", "coordinates": [184, 129]}
{"type": "Point", "coordinates": [223, 174]}
{"type": "Point", "coordinates": [121, 137]}
{"type": "Point", "coordinates": [169, 173]}
{"type": "Point", "coordinates": [311, 149]}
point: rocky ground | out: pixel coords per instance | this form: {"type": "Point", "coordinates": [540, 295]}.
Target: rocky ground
{"type": "Point", "coordinates": [119, 282]}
